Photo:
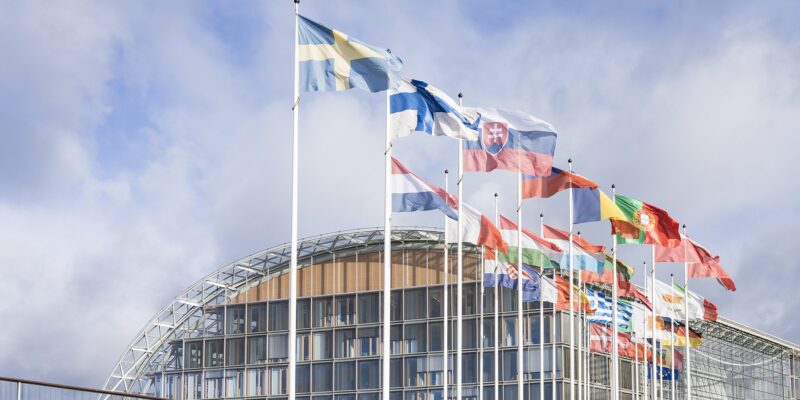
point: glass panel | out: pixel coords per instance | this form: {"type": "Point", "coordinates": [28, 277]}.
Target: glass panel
{"type": "Point", "coordinates": [277, 380]}
{"type": "Point", "coordinates": [235, 324]}
{"type": "Point", "coordinates": [303, 314]}
{"type": "Point", "coordinates": [415, 338]}
{"type": "Point", "coordinates": [322, 377]}
{"type": "Point", "coordinates": [435, 302]}
{"type": "Point", "coordinates": [470, 299]}
{"type": "Point", "coordinates": [278, 316]}
{"type": "Point", "coordinates": [194, 354]}
{"type": "Point", "coordinates": [396, 378]}
{"type": "Point", "coordinates": [303, 380]}
{"type": "Point", "coordinates": [509, 365]}
{"type": "Point", "coordinates": [323, 345]}
{"type": "Point", "coordinates": [435, 367]}
{"type": "Point", "coordinates": [415, 304]}
{"type": "Point", "coordinates": [172, 386]}
{"type": "Point", "coordinates": [214, 355]}
{"type": "Point", "coordinates": [488, 332]}
{"type": "Point", "coordinates": [397, 339]}
{"type": "Point", "coordinates": [470, 370]}
{"type": "Point", "coordinates": [368, 308]}
{"type": "Point", "coordinates": [256, 382]}
{"type": "Point", "coordinates": [369, 374]}
{"type": "Point", "coordinates": [257, 349]}
{"type": "Point", "coordinates": [435, 336]}
{"type": "Point", "coordinates": [213, 384]}
{"type": "Point", "coordinates": [470, 339]}
{"type": "Point", "coordinates": [346, 375]}
{"type": "Point", "coordinates": [346, 310]}
{"type": "Point", "coordinates": [303, 349]}
{"type": "Point", "coordinates": [396, 306]}
{"type": "Point", "coordinates": [416, 371]}
{"type": "Point", "coordinates": [323, 312]}
{"type": "Point", "coordinates": [234, 379]}
{"type": "Point", "coordinates": [488, 366]}
{"type": "Point", "coordinates": [257, 318]}
{"type": "Point", "coordinates": [278, 348]}
{"type": "Point", "coordinates": [235, 350]}
{"type": "Point", "coordinates": [345, 343]}
{"type": "Point", "coordinates": [368, 341]}
{"type": "Point", "coordinates": [509, 331]}
{"type": "Point", "coordinates": [194, 386]}
{"type": "Point", "coordinates": [213, 321]}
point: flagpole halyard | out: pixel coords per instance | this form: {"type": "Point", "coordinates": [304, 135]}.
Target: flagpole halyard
{"type": "Point", "coordinates": [291, 346]}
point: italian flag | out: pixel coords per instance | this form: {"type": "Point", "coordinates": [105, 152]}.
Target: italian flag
{"type": "Point", "coordinates": [646, 224]}
{"type": "Point", "coordinates": [535, 250]}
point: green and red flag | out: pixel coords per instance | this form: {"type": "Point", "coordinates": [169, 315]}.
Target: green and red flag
{"type": "Point", "coordinates": [646, 224]}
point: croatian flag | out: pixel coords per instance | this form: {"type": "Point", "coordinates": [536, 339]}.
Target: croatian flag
{"type": "Point", "coordinates": [510, 140]}
{"type": "Point", "coordinates": [410, 193]}
{"type": "Point", "coordinates": [415, 106]}
{"type": "Point", "coordinates": [535, 287]}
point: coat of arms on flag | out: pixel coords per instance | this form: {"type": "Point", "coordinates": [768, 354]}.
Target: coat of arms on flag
{"type": "Point", "coordinates": [494, 137]}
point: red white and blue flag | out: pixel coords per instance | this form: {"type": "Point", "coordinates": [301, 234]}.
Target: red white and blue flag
{"type": "Point", "coordinates": [410, 193]}
{"type": "Point", "coordinates": [510, 140]}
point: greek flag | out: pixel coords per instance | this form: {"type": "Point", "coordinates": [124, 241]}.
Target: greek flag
{"type": "Point", "coordinates": [329, 60]}
{"type": "Point", "coordinates": [415, 106]}
{"type": "Point", "coordinates": [602, 304]}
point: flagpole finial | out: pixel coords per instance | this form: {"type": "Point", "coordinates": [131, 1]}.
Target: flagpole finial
{"type": "Point", "coordinates": [613, 186]}
{"type": "Point", "coordinates": [570, 160]}
{"type": "Point", "coordinates": [446, 172]}
{"type": "Point", "coordinates": [579, 233]}
{"type": "Point", "coordinates": [296, 1]}
{"type": "Point", "coordinates": [495, 195]}
{"type": "Point", "coordinates": [541, 215]}
{"type": "Point", "coordinates": [460, 95]}
{"type": "Point", "coordinates": [670, 275]}
{"type": "Point", "coordinates": [684, 226]}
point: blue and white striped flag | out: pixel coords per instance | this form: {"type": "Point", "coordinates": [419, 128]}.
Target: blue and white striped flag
{"type": "Point", "coordinates": [602, 304]}
{"type": "Point", "coordinates": [415, 106]}
{"type": "Point", "coordinates": [329, 60]}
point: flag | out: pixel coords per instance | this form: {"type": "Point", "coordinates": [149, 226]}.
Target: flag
{"type": "Point", "coordinates": [662, 372]}
{"type": "Point", "coordinates": [558, 180]}
{"type": "Point", "coordinates": [476, 229]}
{"type": "Point", "coordinates": [584, 254]}
{"type": "Point", "coordinates": [535, 250]}
{"type": "Point", "coordinates": [600, 340]}
{"type": "Point", "coordinates": [415, 106]}
{"type": "Point", "coordinates": [535, 287]}
{"type": "Point", "coordinates": [646, 224]}
{"type": "Point", "coordinates": [581, 301]}
{"type": "Point", "coordinates": [410, 193]}
{"type": "Point", "coordinates": [624, 273]}
{"type": "Point", "coordinates": [591, 205]}
{"type": "Point", "coordinates": [602, 307]}
{"type": "Point", "coordinates": [510, 140]}
{"type": "Point", "coordinates": [329, 60]}
{"type": "Point", "coordinates": [699, 307]}
{"type": "Point", "coordinates": [695, 338]}
{"type": "Point", "coordinates": [700, 262]}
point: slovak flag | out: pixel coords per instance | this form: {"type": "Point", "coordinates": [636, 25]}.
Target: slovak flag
{"type": "Point", "coordinates": [510, 140]}
{"type": "Point", "coordinates": [410, 193]}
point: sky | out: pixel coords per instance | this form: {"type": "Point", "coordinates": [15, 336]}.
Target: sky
{"type": "Point", "coordinates": [146, 144]}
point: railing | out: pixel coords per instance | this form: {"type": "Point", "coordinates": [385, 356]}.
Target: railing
{"type": "Point", "coordinates": [23, 389]}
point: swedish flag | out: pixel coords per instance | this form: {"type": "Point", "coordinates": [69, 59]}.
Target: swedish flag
{"type": "Point", "coordinates": [330, 60]}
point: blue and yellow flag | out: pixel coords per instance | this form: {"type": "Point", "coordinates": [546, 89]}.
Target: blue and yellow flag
{"type": "Point", "coordinates": [330, 60]}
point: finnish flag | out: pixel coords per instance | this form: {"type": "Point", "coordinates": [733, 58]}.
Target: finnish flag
{"type": "Point", "coordinates": [415, 106]}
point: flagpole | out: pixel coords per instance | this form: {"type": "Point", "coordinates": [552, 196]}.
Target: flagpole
{"type": "Point", "coordinates": [571, 300]}
{"type": "Point", "coordinates": [460, 272]}
{"type": "Point", "coordinates": [688, 357]}
{"type": "Point", "coordinates": [387, 260]}
{"type": "Point", "coordinates": [496, 317]}
{"type": "Point", "coordinates": [480, 326]}
{"type": "Point", "coordinates": [588, 357]}
{"type": "Point", "coordinates": [553, 345]}
{"type": "Point", "coordinates": [520, 339]}
{"type": "Point", "coordinates": [445, 303]}
{"type": "Point", "coordinates": [541, 323]}
{"type": "Point", "coordinates": [644, 331]}
{"type": "Point", "coordinates": [660, 344]}
{"type": "Point", "coordinates": [293, 246]}
{"type": "Point", "coordinates": [653, 331]}
{"type": "Point", "coordinates": [635, 366]}
{"type": "Point", "coordinates": [614, 322]}
{"type": "Point", "coordinates": [672, 343]}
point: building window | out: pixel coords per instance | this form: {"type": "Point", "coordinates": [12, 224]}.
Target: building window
{"type": "Point", "coordinates": [345, 343]}
{"type": "Point", "coordinates": [510, 331]}
{"type": "Point", "coordinates": [256, 382]}
{"type": "Point", "coordinates": [488, 332]}
{"type": "Point", "coordinates": [214, 321]}
{"type": "Point", "coordinates": [278, 316]}
{"type": "Point", "coordinates": [368, 341]}
{"type": "Point", "coordinates": [234, 383]}
{"type": "Point", "coordinates": [368, 374]}
{"type": "Point", "coordinates": [323, 377]}
{"type": "Point", "coordinates": [257, 349]}
{"type": "Point", "coordinates": [214, 355]}
{"type": "Point", "coordinates": [509, 365]}
{"type": "Point", "coordinates": [346, 375]}
{"type": "Point", "coordinates": [235, 324]}
{"type": "Point", "coordinates": [194, 385]}
{"type": "Point", "coordinates": [323, 312]}
{"type": "Point", "coordinates": [235, 350]}
{"type": "Point", "coordinates": [470, 339]}
{"type": "Point", "coordinates": [396, 378]}
{"type": "Point", "coordinates": [415, 371]}
{"type": "Point", "coordinates": [469, 372]}
{"type": "Point", "coordinates": [278, 347]}
{"type": "Point", "coordinates": [345, 310]}
{"type": "Point", "coordinates": [435, 336]}
{"type": "Point", "coordinates": [368, 308]}
{"type": "Point", "coordinates": [470, 302]}
{"type": "Point", "coordinates": [435, 302]}
{"type": "Point", "coordinates": [435, 368]}
{"type": "Point", "coordinates": [396, 306]}
{"type": "Point", "coordinates": [415, 304]}
{"type": "Point", "coordinates": [304, 314]}
{"type": "Point", "coordinates": [277, 380]}
{"type": "Point", "coordinates": [213, 384]}
{"type": "Point", "coordinates": [175, 356]}
{"type": "Point", "coordinates": [303, 349]}
{"type": "Point", "coordinates": [323, 345]}
{"type": "Point", "coordinates": [488, 366]}
{"type": "Point", "coordinates": [194, 354]}
{"type": "Point", "coordinates": [257, 319]}
{"type": "Point", "coordinates": [303, 380]}
{"type": "Point", "coordinates": [415, 336]}
{"type": "Point", "coordinates": [396, 337]}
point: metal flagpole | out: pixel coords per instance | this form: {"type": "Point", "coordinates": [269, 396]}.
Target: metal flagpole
{"type": "Point", "coordinates": [496, 318]}
{"type": "Point", "coordinates": [672, 345]}
{"type": "Point", "coordinates": [553, 352]}
{"type": "Point", "coordinates": [688, 356]}
{"type": "Point", "coordinates": [653, 331]}
{"type": "Point", "coordinates": [387, 262]}
{"type": "Point", "coordinates": [293, 247]}
{"type": "Point", "coordinates": [588, 357]}
{"type": "Point", "coordinates": [520, 339]}
{"type": "Point", "coordinates": [541, 324]}
{"type": "Point", "coordinates": [644, 331]}
{"type": "Point", "coordinates": [445, 304]}
{"type": "Point", "coordinates": [480, 326]}
{"type": "Point", "coordinates": [460, 272]}
{"type": "Point", "coordinates": [635, 366]}
{"type": "Point", "coordinates": [571, 301]}
{"type": "Point", "coordinates": [614, 321]}
{"type": "Point", "coordinates": [660, 345]}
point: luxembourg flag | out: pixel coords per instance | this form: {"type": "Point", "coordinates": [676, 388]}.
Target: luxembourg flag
{"type": "Point", "coordinates": [410, 193]}
{"type": "Point", "coordinates": [415, 106]}
{"type": "Point", "coordinates": [510, 140]}
{"type": "Point", "coordinates": [586, 256]}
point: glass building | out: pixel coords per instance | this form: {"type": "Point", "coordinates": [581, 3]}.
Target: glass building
{"type": "Point", "coordinates": [226, 336]}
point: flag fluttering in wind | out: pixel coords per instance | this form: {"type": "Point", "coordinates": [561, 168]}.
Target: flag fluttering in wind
{"type": "Point", "coordinates": [510, 140]}
{"type": "Point", "coordinates": [476, 229]}
{"type": "Point", "coordinates": [600, 341]}
{"type": "Point", "coordinates": [580, 299]}
{"type": "Point", "coordinates": [701, 263]}
{"type": "Point", "coordinates": [593, 205]}
{"type": "Point", "coordinates": [646, 224]}
{"type": "Point", "coordinates": [415, 106]}
{"type": "Point", "coordinates": [535, 287]}
{"type": "Point", "coordinates": [668, 302]}
{"type": "Point", "coordinates": [535, 250]}
{"type": "Point", "coordinates": [410, 193]}
{"type": "Point", "coordinates": [585, 255]}
{"type": "Point", "coordinates": [558, 180]}
{"type": "Point", "coordinates": [602, 307]}
{"type": "Point", "coordinates": [699, 307]}
{"type": "Point", "coordinates": [329, 60]}
{"type": "Point", "coordinates": [695, 338]}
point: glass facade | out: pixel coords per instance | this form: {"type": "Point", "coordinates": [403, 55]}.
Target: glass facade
{"type": "Point", "coordinates": [234, 344]}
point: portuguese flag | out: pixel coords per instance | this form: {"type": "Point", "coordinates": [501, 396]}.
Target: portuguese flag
{"type": "Point", "coordinates": [646, 224]}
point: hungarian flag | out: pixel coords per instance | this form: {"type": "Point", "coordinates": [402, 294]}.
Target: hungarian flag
{"type": "Point", "coordinates": [558, 180]}
{"type": "Point", "coordinates": [646, 224]}
{"type": "Point", "coordinates": [535, 250]}
{"type": "Point", "coordinates": [476, 229]}
{"type": "Point", "coordinates": [701, 263]}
